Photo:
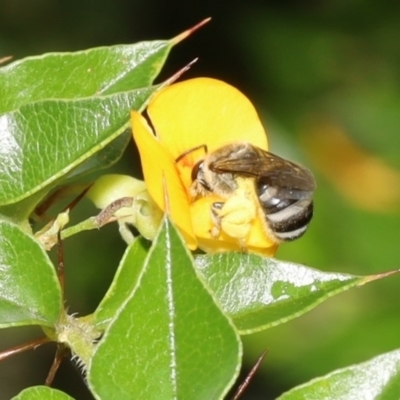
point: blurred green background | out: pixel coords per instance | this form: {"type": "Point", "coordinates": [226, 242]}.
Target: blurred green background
{"type": "Point", "coordinates": [325, 78]}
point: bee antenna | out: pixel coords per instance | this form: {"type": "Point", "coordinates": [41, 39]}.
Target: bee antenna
{"type": "Point", "coordinates": [202, 146]}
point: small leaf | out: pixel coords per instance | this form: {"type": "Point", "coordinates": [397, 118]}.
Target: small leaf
{"type": "Point", "coordinates": [93, 72]}
{"type": "Point", "coordinates": [259, 293]}
{"type": "Point", "coordinates": [169, 340]}
{"type": "Point", "coordinates": [41, 393]}
{"type": "Point", "coordinates": [29, 289]}
{"type": "Point", "coordinates": [378, 378]}
{"type": "Point", "coordinates": [125, 280]}
{"type": "Point", "coordinates": [63, 133]}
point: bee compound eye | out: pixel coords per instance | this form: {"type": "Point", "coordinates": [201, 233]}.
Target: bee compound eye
{"type": "Point", "coordinates": [198, 167]}
{"type": "Point", "coordinates": [199, 176]}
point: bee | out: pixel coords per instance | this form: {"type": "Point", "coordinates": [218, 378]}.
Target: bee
{"type": "Point", "coordinates": [283, 189]}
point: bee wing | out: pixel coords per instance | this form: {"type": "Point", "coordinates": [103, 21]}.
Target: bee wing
{"type": "Point", "coordinates": [265, 166]}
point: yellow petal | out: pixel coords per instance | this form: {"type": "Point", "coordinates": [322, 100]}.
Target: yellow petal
{"type": "Point", "coordinates": [204, 111]}
{"type": "Point", "coordinates": [258, 241]}
{"type": "Point", "coordinates": [192, 119]}
{"type": "Point", "coordinates": [158, 167]}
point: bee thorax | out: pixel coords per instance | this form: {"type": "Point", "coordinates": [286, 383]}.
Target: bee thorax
{"type": "Point", "coordinates": [206, 182]}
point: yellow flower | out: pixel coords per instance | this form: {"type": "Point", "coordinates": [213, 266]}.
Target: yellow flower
{"type": "Point", "coordinates": [190, 120]}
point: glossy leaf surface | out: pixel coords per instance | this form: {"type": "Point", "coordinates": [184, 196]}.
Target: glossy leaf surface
{"type": "Point", "coordinates": [45, 140]}
{"type": "Point", "coordinates": [30, 293]}
{"type": "Point", "coordinates": [60, 110]}
{"type": "Point", "coordinates": [41, 393]}
{"type": "Point", "coordinates": [125, 280]}
{"type": "Point", "coordinates": [169, 340]}
{"type": "Point", "coordinates": [88, 73]}
{"type": "Point", "coordinates": [259, 293]}
{"type": "Point", "coordinates": [378, 378]}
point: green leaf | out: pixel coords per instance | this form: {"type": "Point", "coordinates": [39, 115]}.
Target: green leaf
{"type": "Point", "coordinates": [103, 158]}
{"type": "Point", "coordinates": [60, 110]}
{"type": "Point", "coordinates": [45, 140]}
{"type": "Point", "coordinates": [29, 289]}
{"type": "Point", "coordinates": [169, 340]}
{"type": "Point", "coordinates": [41, 393]}
{"type": "Point", "coordinates": [259, 293]}
{"type": "Point", "coordinates": [378, 378]}
{"type": "Point", "coordinates": [125, 280]}
{"type": "Point", "coordinates": [93, 72]}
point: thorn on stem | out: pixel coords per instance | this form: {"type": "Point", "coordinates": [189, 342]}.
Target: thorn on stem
{"type": "Point", "coordinates": [5, 59]}
{"type": "Point", "coordinates": [23, 347]}
{"type": "Point", "coordinates": [249, 377]}
{"type": "Point", "coordinates": [178, 74]}
{"type": "Point", "coordinates": [58, 357]}
{"type": "Point", "coordinates": [189, 31]}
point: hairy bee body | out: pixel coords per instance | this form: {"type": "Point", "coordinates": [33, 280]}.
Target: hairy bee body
{"type": "Point", "coordinates": [284, 190]}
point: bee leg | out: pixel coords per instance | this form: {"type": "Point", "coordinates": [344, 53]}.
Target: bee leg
{"type": "Point", "coordinates": [216, 219]}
